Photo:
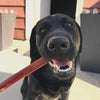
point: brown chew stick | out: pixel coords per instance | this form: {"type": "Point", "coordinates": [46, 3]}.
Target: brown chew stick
{"type": "Point", "coordinates": [24, 72]}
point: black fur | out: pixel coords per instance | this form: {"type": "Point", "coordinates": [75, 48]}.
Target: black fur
{"type": "Point", "coordinates": [44, 84]}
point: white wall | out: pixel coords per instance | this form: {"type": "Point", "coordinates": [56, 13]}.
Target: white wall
{"type": "Point", "coordinates": [79, 10]}
{"type": "Point", "coordinates": [41, 9]}
{"type": "Point", "coordinates": [45, 8]}
{"type": "Point", "coordinates": [29, 17]}
{"type": "Point", "coordinates": [37, 4]}
{"type": "Point", "coordinates": [35, 10]}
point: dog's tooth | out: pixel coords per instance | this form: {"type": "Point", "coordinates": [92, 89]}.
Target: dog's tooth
{"type": "Point", "coordinates": [57, 66]}
{"type": "Point", "coordinates": [61, 70]}
{"type": "Point", "coordinates": [70, 65]}
{"type": "Point", "coordinates": [69, 69]}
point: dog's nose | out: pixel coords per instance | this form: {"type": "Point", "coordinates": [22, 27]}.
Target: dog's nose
{"type": "Point", "coordinates": [58, 44]}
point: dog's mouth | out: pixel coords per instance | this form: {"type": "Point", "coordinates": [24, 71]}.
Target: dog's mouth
{"type": "Point", "coordinates": [63, 68]}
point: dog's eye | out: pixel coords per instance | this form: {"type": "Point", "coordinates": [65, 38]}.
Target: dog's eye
{"type": "Point", "coordinates": [44, 27]}
{"type": "Point", "coordinates": [42, 30]}
{"type": "Point", "coordinates": [70, 24]}
{"type": "Point", "coordinates": [67, 23]}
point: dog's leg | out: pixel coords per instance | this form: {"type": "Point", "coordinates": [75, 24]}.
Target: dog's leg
{"type": "Point", "coordinates": [65, 95]}
{"type": "Point", "coordinates": [34, 89]}
{"type": "Point", "coordinates": [32, 95]}
{"type": "Point", "coordinates": [24, 88]}
{"type": "Point", "coordinates": [30, 88]}
{"type": "Point", "coordinates": [58, 98]}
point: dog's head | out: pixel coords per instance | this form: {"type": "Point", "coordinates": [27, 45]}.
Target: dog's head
{"type": "Point", "coordinates": [58, 38]}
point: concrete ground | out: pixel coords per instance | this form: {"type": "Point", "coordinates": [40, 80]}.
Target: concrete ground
{"type": "Point", "coordinates": [85, 87]}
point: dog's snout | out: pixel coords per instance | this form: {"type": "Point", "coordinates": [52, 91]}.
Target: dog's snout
{"type": "Point", "coordinates": [58, 44]}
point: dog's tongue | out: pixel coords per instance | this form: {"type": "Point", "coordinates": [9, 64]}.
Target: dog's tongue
{"type": "Point", "coordinates": [61, 63]}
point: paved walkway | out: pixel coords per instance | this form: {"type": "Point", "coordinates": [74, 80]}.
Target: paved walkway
{"type": "Point", "coordinates": [85, 87]}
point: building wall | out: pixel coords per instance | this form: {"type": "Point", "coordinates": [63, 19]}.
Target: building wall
{"type": "Point", "coordinates": [79, 8]}
{"type": "Point", "coordinates": [45, 8]}
{"type": "Point", "coordinates": [35, 10]}
{"type": "Point", "coordinates": [29, 17]}
{"type": "Point", "coordinates": [91, 4]}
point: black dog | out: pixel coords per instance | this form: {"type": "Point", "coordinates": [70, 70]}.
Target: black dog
{"type": "Point", "coordinates": [58, 38]}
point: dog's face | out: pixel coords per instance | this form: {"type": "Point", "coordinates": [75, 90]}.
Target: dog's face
{"type": "Point", "coordinates": [57, 38]}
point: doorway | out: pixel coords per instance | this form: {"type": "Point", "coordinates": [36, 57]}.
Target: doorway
{"type": "Point", "coordinates": [67, 7]}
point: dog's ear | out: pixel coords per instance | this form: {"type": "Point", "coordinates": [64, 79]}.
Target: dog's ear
{"type": "Point", "coordinates": [34, 54]}
{"type": "Point", "coordinates": [77, 61]}
{"type": "Point", "coordinates": [80, 49]}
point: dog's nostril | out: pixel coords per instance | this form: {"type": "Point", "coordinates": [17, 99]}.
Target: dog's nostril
{"type": "Point", "coordinates": [64, 45]}
{"type": "Point", "coordinates": [52, 46]}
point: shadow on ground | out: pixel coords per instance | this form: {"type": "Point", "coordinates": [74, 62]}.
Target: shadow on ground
{"type": "Point", "coordinates": [90, 77]}
{"type": "Point", "coordinates": [27, 53]}
{"type": "Point", "coordinates": [13, 92]}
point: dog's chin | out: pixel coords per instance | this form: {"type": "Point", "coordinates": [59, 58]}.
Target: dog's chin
{"type": "Point", "coordinates": [63, 69]}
